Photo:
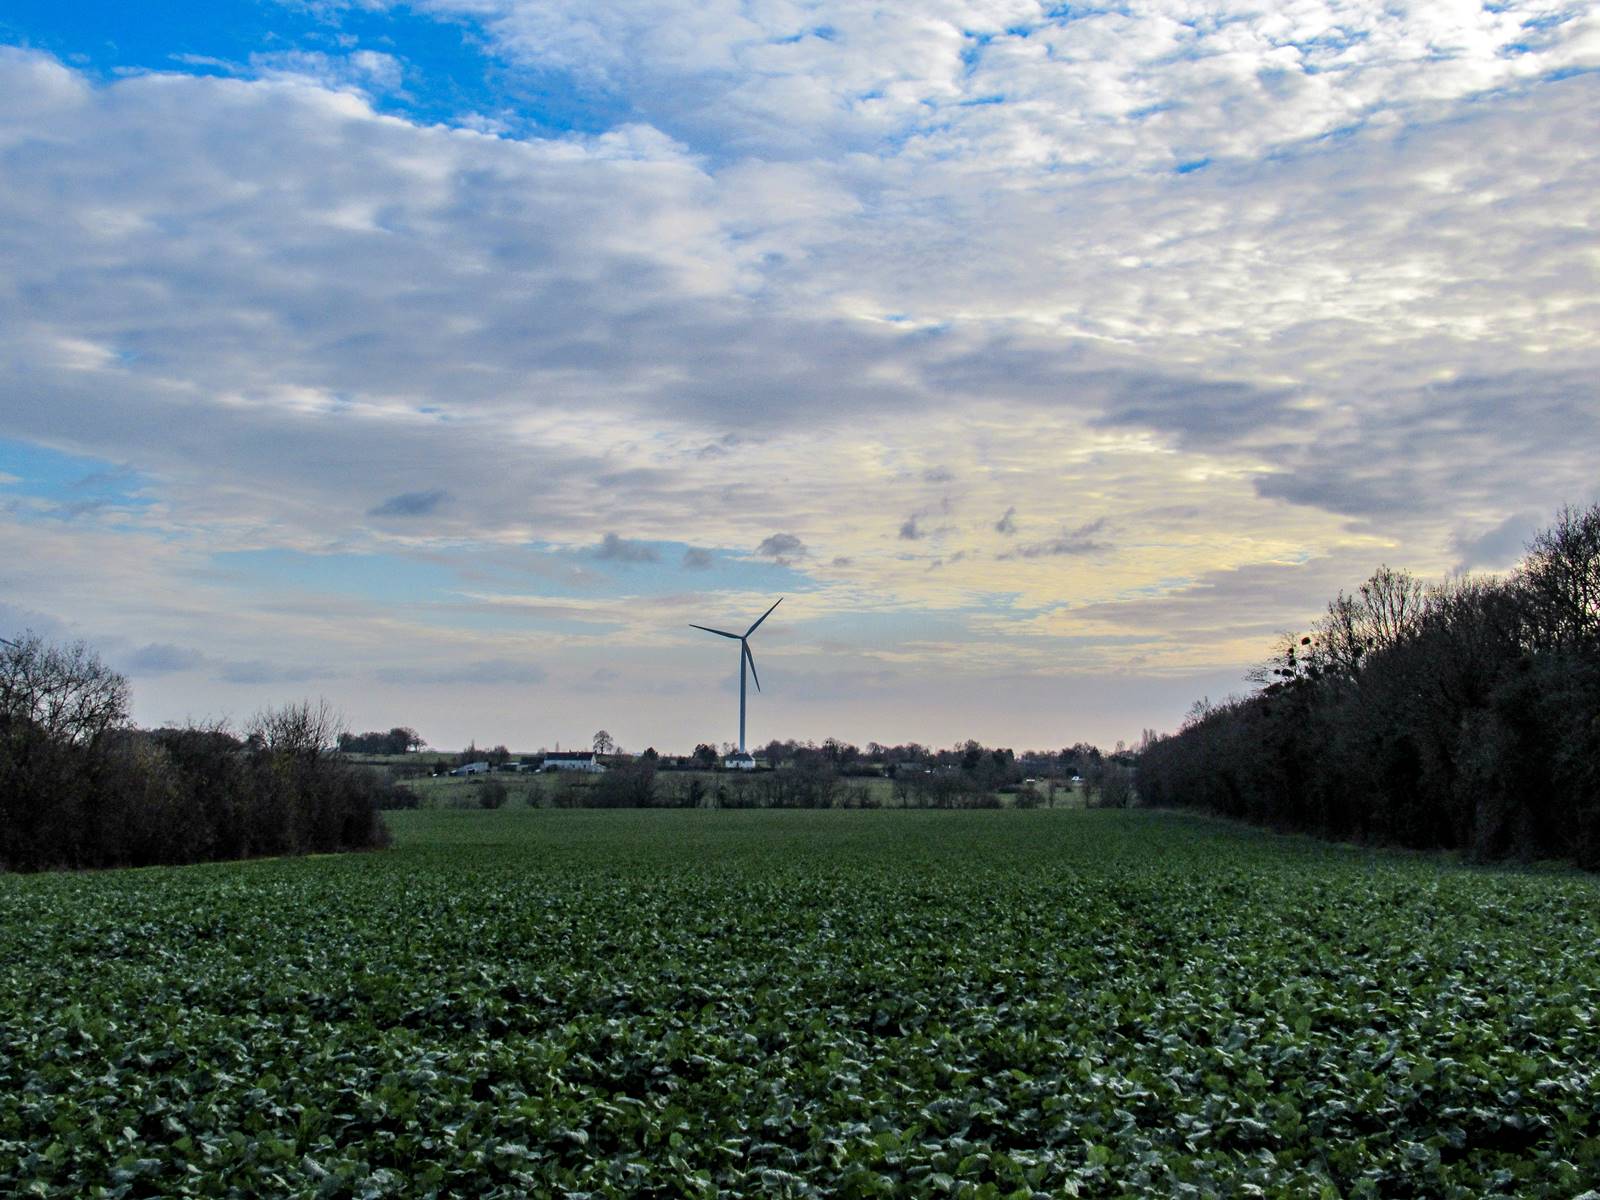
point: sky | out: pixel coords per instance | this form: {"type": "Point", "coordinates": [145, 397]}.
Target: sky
{"type": "Point", "coordinates": [446, 360]}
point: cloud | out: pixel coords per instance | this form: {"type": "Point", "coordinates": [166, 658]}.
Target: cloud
{"type": "Point", "coordinates": [482, 672]}
{"type": "Point", "coordinates": [940, 563]}
{"type": "Point", "coordinates": [782, 546]}
{"type": "Point", "coordinates": [259, 671]}
{"type": "Point", "coordinates": [909, 531]}
{"type": "Point", "coordinates": [619, 550]}
{"type": "Point", "coordinates": [1022, 86]}
{"type": "Point", "coordinates": [696, 559]}
{"type": "Point", "coordinates": [1498, 547]}
{"type": "Point", "coordinates": [669, 323]}
{"type": "Point", "coordinates": [1468, 438]}
{"type": "Point", "coordinates": [1201, 412]}
{"type": "Point", "coordinates": [1071, 543]}
{"type": "Point", "coordinates": [410, 504]}
{"type": "Point", "coordinates": [1224, 615]}
{"type": "Point", "coordinates": [16, 620]}
{"type": "Point", "coordinates": [324, 304]}
{"type": "Point", "coordinates": [364, 70]}
{"type": "Point", "coordinates": [158, 658]}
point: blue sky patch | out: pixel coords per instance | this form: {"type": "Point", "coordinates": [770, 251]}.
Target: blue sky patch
{"type": "Point", "coordinates": [442, 590]}
{"type": "Point", "coordinates": [386, 578]}
{"type": "Point", "coordinates": [74, 483]}
{"type": "Point", "coordinates": [449, 70]}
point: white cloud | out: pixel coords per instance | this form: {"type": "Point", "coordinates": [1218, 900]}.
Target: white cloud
{"type": "Point", "coordinates": [366, 71]}
{"type": "Point", "coordinates": [299, 319]}
{"type": "Point", "coordinates": [1023, 84]}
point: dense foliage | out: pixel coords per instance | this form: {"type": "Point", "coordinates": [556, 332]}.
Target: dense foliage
{"type": "Point", "coordinates": [787, 1003]}
{"type": "Point", "coordinates": [400, 740]}
{"type": "Point", "coordinates": [79, 788]}
{"type": "Point", "coordinates": [1463, 715]}
{"type": "Point", "coordinates": [985, 768]}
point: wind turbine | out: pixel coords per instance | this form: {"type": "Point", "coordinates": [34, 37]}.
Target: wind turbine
{"type": "Point", "coordinates": [744, 657]}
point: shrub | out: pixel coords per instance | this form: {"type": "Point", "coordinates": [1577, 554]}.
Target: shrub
{"type": "Point", "coordinates": [625, 785]}
{"type": "Point", "coordinates": [492, 794]}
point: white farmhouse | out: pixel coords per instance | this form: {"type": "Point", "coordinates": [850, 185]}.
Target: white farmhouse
{"type": "Point", "coordinates": [739, 762]}
{"type": "Point", "coordinates": [573, 760]}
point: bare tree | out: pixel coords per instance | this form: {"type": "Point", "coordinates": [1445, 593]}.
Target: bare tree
{"type": "Point", "coordinates": [603, 742]}
{"type": "Point", "coordinates": [1387, 609]}
{"type": "Point", "coordinates": [1394, 603]}
{"type": "Point", "coordinates": [303, 730]}
{"type": "Point", "coordinates": [1561, 579]}
{"type": "Point", "coordinates": [65, 692]}
{"type": "Point", "coordinates": [1116, 786]}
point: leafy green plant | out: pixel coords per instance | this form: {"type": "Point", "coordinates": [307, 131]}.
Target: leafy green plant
{"type": "Point", "coordinates": [673, 1002]}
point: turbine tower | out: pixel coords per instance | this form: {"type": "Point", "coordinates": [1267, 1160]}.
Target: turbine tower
{"type": "Point", "coordinates": [744, 657]}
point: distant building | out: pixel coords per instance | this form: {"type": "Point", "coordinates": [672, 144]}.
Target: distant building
{"type": "Point", "coordinates": [572, 760]}
{"type": "Point", "coordinates": [477, 768]}
{"type": "Point", "coordinates": [739, 762]}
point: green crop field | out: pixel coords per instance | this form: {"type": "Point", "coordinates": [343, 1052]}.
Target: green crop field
{"type": "Point", "coordinates": [698, 1003]}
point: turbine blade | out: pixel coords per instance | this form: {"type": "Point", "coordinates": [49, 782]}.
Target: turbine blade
{"type": "Point", "coordinates": [751, 658]}
{"type": "Point", "coordinates": [718, 632]}
{"type": "Point", "coordinates": [763, 616]}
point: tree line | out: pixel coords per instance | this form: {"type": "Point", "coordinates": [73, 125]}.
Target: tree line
{"type": "Point", "coordinates": [1460, 715]}
{"type": "Point", "coordinates": [80, 787]}
{"type": "Point", "coordinates": [399, 740]}
{"type": "Point", "coordinates": [878, 758]}
{"type": "Point", "coordinates": [836, 774]}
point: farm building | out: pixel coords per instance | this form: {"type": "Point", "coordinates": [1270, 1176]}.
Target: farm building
{"type": "Point", "coordinates": [572, 760]}
{"type": "Point", "coordinates": [472, 768]}
{"type": "Point", "coordinates": [739, 762]}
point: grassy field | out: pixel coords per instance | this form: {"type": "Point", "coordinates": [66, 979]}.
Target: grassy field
{"type": "Point", "coordinates": [447, 791]}
{"type": "Point", "coordinates": [856, 1003]}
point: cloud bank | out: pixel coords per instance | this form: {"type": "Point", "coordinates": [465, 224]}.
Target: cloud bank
{"type": "Point", "coordinates": [1203, 304]}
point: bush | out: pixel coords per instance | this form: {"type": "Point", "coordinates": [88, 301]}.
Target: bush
{"type": "Point", "coordinates": [625, 785]}
{"type": "Point", "coordinates": [566, 791]}
{"type": "Point", "coordinates": [682, 793]}
{"type": "Point", "coordinates": [491, 794]}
